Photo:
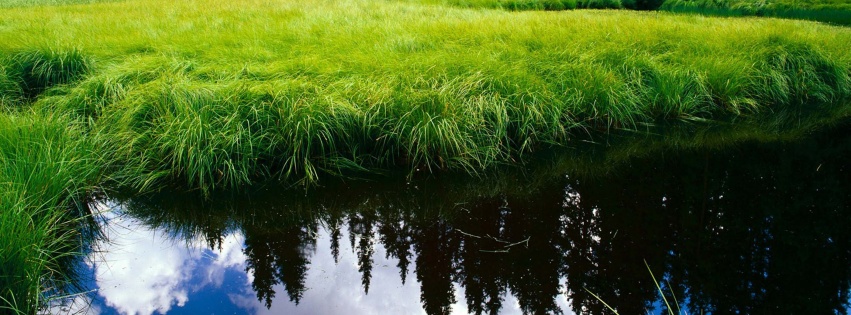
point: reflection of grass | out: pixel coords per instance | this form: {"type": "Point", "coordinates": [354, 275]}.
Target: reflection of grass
{"type": "Point", "coordinates": [661, 294]}
{"type": "Point", "coordinates": [193, 213]}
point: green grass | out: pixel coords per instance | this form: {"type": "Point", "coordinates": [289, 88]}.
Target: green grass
{"type": "Point", "coordinates": [524, 5]}
{"type": "Point", "coordinates": [45, 167]}
{"type": "Point", "coordinates": [37, 70]}
{"type": "Point", "coordinates": [32, 3]}
{"type": "Point", "coordinates": [208, 95]}
{"type": "Point", "coordinates": [830, 11]}
{"type": "Point", "coordinates": [755, 6]}
{"type": "Point", "coordinates": [293, 90]}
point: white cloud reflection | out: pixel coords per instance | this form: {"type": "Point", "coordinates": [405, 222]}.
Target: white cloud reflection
{"type": "Point", "coordinates": [143, 271]}
{"type": "Point", "coordinates": [78, 304]}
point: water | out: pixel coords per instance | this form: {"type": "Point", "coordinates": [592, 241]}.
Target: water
{"type": "Point", "coordinates": [755, 228]}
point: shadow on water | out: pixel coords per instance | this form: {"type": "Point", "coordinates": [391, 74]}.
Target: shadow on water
{"type": "Point", "coordinates": [756, 227]}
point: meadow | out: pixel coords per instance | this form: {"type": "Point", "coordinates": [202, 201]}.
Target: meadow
{"type": "Point", "coordinates": [32, 3]}
{"type": "Point", "coordinates": [211, 96]}
{"type": "Point", "coordinates": [294, 89]}
{"type": "Point", "coordinates": [830, 11]}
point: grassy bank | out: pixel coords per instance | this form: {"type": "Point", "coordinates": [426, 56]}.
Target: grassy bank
{"type": "Point", "coordinates": [830, 11]}
{"type": "Point", "coordinates": [238, 92]}
{"type": "Point", "coordinates": [207, 95]}
{"type": "Point", "coordinates": [45, 167]}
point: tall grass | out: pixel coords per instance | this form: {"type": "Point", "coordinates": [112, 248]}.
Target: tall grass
{"type": "Point", "coordinates": [830, 11]}
{"type": "Point", "coordinates": [299, 89]}
{"type": "Point", "coordinates": [45, 167]}
{"type": "Point", "coordinates": [29, 73]}
{"type": "Point", "coordinates": [758, 7]}
{"type": "Point", "coordinates": [212, 95]}
{"type": "Point", "coordinates": [10, 91]}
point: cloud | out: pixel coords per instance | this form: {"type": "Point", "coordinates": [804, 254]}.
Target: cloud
{"type": "Point", "coordinates": [231, 255]}
{"type": "Point", "coordinates": [141, 270]}
{"type": "Point", "coordinates": [78, 304]}
{"type": "Point", "coordinates": [337, 289]}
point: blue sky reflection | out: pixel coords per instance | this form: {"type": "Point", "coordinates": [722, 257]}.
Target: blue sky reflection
{"type": "Point", "coordinates": [142, 270]}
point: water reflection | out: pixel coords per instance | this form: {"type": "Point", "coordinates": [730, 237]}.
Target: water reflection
{"type": "Point", "coordinates": [759, 228]}
{"type": "Point", "coordinates": [143, 270]}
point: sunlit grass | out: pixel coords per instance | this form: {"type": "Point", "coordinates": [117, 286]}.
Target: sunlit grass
{"type": "Point", "coordinates": [254, 89]}
{"type": "Point", "coordinates": [31, 3]}
{"type": "Point", "coordinates": [45, 167]}
{"type": "Point", "coordinates": [210, 95]}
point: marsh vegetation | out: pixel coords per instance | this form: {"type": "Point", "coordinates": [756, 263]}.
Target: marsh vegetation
{"type": "Point", "coordinates": [154, 95]}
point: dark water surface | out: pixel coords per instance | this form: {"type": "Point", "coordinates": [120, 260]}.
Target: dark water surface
{"type": "Point", "coordinates": [757, 228]}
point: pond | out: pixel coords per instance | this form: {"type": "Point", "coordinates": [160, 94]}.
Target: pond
{"type": "Point", "coordinates": [755, 227]}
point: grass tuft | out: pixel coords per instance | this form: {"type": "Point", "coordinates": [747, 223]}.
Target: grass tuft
{"type": "Point", "coordinates": [35, 71]}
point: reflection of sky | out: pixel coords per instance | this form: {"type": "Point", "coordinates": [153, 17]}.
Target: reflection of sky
{"type": "Point", "coordinates": [143, 271]}
{"type": "Point", "coordinates": [77, 304]}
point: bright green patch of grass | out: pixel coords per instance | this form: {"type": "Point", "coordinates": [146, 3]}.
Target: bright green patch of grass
{"type": "Point", "coordinates": [32, 3]}
{"type": "Point", "coordinates": [237, 92]}
{"type": "Point", "coordinates": [206, 94]}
